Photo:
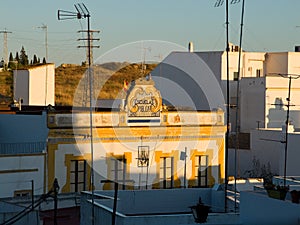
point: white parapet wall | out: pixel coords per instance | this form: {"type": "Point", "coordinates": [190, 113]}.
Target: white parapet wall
{"type": "Point", "coordinates": [35, 85]}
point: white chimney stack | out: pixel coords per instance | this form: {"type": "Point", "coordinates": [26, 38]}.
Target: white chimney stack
{"type": "Point", "coordinates": [191, 47]}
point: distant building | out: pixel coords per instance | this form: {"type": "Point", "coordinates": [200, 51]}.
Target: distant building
{"type": "Point", "coordinates": [264, 100]}
{"type": "Point", "coordinates": [183, 79]}
{"type": "Point", "coordinates": [35, 86]}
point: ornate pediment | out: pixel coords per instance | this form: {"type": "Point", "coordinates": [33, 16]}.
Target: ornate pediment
{"type": "Point", "coordinates": [143, 101]}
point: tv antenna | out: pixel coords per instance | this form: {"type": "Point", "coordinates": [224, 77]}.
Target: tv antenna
{"type": "Point", "coordinates": [5, 52]}
{"type": "Point", "coordinates": [219, 3]}
{"type": "Point", "coordinates": [83, 13]}
{"type": "Point", "coordinates": [45, 28]}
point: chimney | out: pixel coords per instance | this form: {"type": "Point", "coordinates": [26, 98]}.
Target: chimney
{"type": "Point", "coordinates": [191, 47]}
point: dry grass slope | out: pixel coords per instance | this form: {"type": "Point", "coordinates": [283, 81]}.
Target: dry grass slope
{"type": "Point", "coordinates": [108, 80]}
{"type": "Point", "coordinates": [109, 76]}
{"type": "Point", "coordinates": [6, 87]}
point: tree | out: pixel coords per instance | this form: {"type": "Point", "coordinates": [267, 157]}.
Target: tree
{"type": "Point", "coordinates": [23, 57]}
{"type": "Point", "coordinates": [17, 57]}
{"type": "Point", "coordinates": [44, 61]}
{"type": "Point", "coordinates": [11, 58]}
{"type": "Point", "coordinates": [11, 62]}
{"type": "Point", "coordinates": [35, 59]}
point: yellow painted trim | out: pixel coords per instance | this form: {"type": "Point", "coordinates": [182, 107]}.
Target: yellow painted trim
{"type": "Point", "coordinates": [159, 154]}
{"type": "Point", "coordinates": [52, 148]}
{"type": "Point", "coordinates": [109, 156]}
{"type": "Point", "coordinates": [221, 144]}
{"type": "Point", "coordinates": [129, 134]}
{"type": "Point", "coordinates": [192, 182]}
{"type": "Point", "coordinates": [68, 158]}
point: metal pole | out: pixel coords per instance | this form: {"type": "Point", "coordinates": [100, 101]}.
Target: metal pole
{"type": "Point", "coordinates": [91, 117]}
{"type": "Point", "coordinates": [55, 187]}
{"type": "Point", "coordinates": [46, 42]}
{"type": "Point", "coordinates": [113, 221]}
{"type": "Point", "coordinates": [227, 93]}
{"type": "Point", "coordinates": [32, 194]}
{"type": "Point", "coordinates": [185, 167]}
{"type": "Point", "coordinates": [286, 130]}
{"type": "Point", "coordinates": [237, 124]}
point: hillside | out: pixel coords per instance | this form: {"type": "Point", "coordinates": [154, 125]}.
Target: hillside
{"type": "Point", "coordinates": [68, 78]}
{"type": "Point", "coordinates": [6, 87]}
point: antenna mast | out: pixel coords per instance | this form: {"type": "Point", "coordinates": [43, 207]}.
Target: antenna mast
{"type": "Point", "coordinates": [218, 4]}
{"type": "Point", "coordinates": [91, 39]}
{"type": "Point", "coordinates": [5, 52]}
{"type": "Point", "coordinates": [45, 28]}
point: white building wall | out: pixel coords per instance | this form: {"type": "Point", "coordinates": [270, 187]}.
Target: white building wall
{"type": "Point", "coordinates": [282, 62]}
{"type": "Point", "coordinates": [21, 85]}
{"type": "Point", "coordinates": [213, 61]}
{"type": "Point", "coordinates": [276, 62]}
{"type": "Point", "coordinates": [41, 85]}
{"type": "Point", "coordinates": [277, 92]}
{"type": "Point", "coordinates": [253, 61]}
{"type": "Point", "coordinates": [250, 63]}
{"type": "Point", "coordinates": [293, 63]}
{"type": "Point", "coordinates": [17, 172]}
{"type": "Point", "coordinates": [138, 174]}
{"type": "Point", "coordinates": [36, 85]}
{"type": "Point", "coordinates": [233, 65]}
{"type": "Point", "coordinates": [190, 79]}
{"type": "Point", "coordinates": [260, 209]}
{"type": "Point", "coordinates": [252, 103]}
{"type": "Point", "coordinates": [244, 163]}
{"type": "Point", "coordinates": [267, 146]}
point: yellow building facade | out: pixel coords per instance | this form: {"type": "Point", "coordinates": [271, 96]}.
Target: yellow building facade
{"type": "Point", "coordinates": [143, 145]}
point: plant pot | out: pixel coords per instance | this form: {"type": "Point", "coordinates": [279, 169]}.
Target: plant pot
{"type": "Point", "coordinates": [200, 212]}
{"type": "Point", "coordinates": [295, 195]}
{"type": "Point", "coordinates": [277, 194]}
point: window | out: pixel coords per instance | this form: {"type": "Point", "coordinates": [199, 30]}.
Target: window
{"type": "Point", "coordinates": [118, 171]}
{"type": "Point", "coordinates": [78, 175]}
{"type": "Point", "coordinates": [201, 163]}
{"type": "Point", "coordinates": [166, 172]}
{"type": "Point", "coordinates": [259, 73]}
{"type": "Point", "coordinates": [250, 70]}
{"type": "Point", "coordinates": [235, 76]}
{"type": "Point", "coordinates": [22, 193]}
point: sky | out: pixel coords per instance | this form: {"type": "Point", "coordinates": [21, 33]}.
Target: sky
{"type": "Point", "coordinates": [269, 25]}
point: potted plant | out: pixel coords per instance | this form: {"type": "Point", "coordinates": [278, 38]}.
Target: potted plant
{"type": "Point", "coordinates": [200, 212]}
{"type": "Point", "coordinates": [295, 195]}
{"type": "Point", "coordinates": [276, 191]}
